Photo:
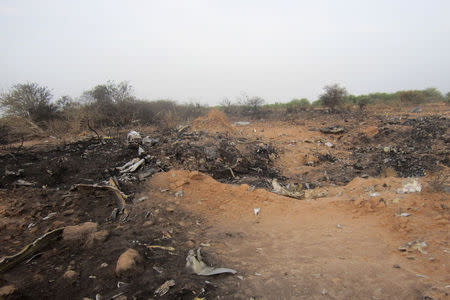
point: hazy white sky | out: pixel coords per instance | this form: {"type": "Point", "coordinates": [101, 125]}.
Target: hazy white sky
{"type": "Point", "coordinates": [207, 50]}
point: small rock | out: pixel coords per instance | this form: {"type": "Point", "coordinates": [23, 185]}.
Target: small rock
{"type": "Point", "coordinates": [324, 292]}
{"type": "Point", "coordinates": [79, 232]}
{"type": "Point", "coordinates": [396, 266]}
{"type": "Point", "coordinates": [99, 236]}
{"type": "Point", "coordinates": [70, 275]}
{"type": "Point", "coordinates": [141, 199]}
{"type": "Point", "coordinates": [190, 244]}
{"type": "Point", "coordinates": [7, 290]}
{"type": "Point", "coordinates": [170, 209]}
{"type": "Point", "coordinates": [103, 265]}
{"type": "Point", "coordinates": [68, 212]}
{"type": "Point", "coordinates": [148, 223]}
{"type": "Point", "coordinates": [339, 226]}
{"type": "Point", "coordinates": [127, 261]}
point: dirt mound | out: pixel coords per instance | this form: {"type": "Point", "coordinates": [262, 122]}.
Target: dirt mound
{"type": "Point", "coordinates": [215, 121]}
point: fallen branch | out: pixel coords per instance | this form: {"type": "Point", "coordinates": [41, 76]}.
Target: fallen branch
{"type": "Point", "coordinates": [9, 262]}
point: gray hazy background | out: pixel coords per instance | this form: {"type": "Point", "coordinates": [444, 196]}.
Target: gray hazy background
{"type": "Point", "coordinates": [207, 50]}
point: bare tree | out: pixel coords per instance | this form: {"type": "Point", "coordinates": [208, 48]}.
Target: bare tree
{"type": "Point", "coordinates": [226, 104]}
{"type": "Point", "coordinates": [334, 96]}
{"type": "Point", "coordinates": [254, 103]}
{"type": "Point", "coordinates": [30, 101]}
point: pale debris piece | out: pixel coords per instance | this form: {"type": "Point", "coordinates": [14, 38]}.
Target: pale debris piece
{"type": "Point", "coordinates": [196, 265]}
{"type": "Point", "coordinates": [133, 167]}
{"type": "Point", "coordinates": [411, 185]}
{"type": "Point", "coordinates": [256, 211]}
{"type": "Point", "coordinates": [164, 288]}
{"type": "Point", "coordinates": [133, 136]}
{"type": "Point", "coordinates": [278, 189]}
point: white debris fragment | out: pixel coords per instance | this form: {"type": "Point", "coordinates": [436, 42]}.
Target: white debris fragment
{"type": "Point", "coordinates": [256, 211]}
{"type": "Point", "coordinates": [49, 216]}
{"type": "Point", "coordinates": [241, 123]}
{"type": "Point", "coordinates": [133, 135]}
{"type": "Point", "coordinates": [412, 185]}
{"type": "Point", "coordinates": [141, 151]}
{"type": "Point", "coordinates": [195, 264]}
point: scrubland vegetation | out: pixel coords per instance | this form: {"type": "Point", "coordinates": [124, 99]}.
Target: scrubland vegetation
{"type": "Point", "coordinates": [31, 110]}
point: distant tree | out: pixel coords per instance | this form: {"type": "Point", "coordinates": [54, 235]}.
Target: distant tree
{"type": "Point", "coordinates": [411, 97]}
{"type": "Point", "coordinates": [30, 101]}
{"type": "Point", "coordinates": [447, 97]}
{"type": "Point", "coordinates": [296, 105]}
{"type": "Point", "coordinates": [226, 104]}
{"type": "Point", "coordinates": [111, 103]}
{"type": "Point", "coordinates": [64, 103]}
{"type": "Point", "coordinates": [363, 102]}
{"type": "Point", "coordinates": [334, 96]}
{"type": "Point", "coordinates": [110, 92]}
{"type": "Point", "coordinates": [254, 103]}
{"type": "Point", "coordinates": [433, 94]}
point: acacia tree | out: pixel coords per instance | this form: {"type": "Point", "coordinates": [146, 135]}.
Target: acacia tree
{"type": "Point", "coordinates": [254, 103]}
{"type": "Point", "coordinates": [111, 103]}
{"type": "Point", "coordinates": [334, 96]}
{"type": "Point", "coordinates": [30, 101]}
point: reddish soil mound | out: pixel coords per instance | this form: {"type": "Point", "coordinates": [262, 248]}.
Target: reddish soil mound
{"type": "Point", "coordinates": [215, 121]}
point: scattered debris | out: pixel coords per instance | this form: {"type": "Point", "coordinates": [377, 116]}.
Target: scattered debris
{"type": "Point", "coordinates": [164, 288]}
{"type": "Point", "coordinates": [339, 226]}
{"type": "Point", "coordinates": [256, 211]}
{"type": "Point", "coordinates": [404, 215]}
{"type": "Point", "coordinates": [21, 182]}
{"type": "Point", "coordinates": [411, 185]}
{"type": "Point", "coordinates": [416, 109]}
{"type": "Point", "coordinates": [279, 189]}
{"type": "Point", "coordinates": [329, 145]}
{"type": "Point", "coordinates": [149, 142]}
{"type": "Point", "coordinates": [241, 123]}
{"type": "Point", "coordinates": [180, 193]}
{"type": "Point", "coordinates": [161, 247]}
{"type": "Point", "coordinates": [143, 198]}
{"type": "Point", "coordinates": [49, 216]}
{"type": "Point", "coordinates": [414, 245]}
{"type": "Point", "coordinates": [195, 264]}
{"type": "Point", "coordinates": [12, 173]}
{"type": "Point", "coordinates": [141, 151]}
{"type": "Point", "coordinates": [374, 194]}
{"type": "Point", "coordinates": [131, 166]}
{"type": "Point", "coordinates": [134, 139]}
{"type": "Point", "coordinates": [147, 173]}
{"type": "Point", "coordinates": [332, 130]}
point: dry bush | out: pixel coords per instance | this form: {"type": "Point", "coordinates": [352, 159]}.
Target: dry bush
{"type": "Point", "coordinates": [440, 182]}
{"type": "Point", "coordinates": [168, 120]}
{"type": "Point", "coordinates": [57, 127]}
